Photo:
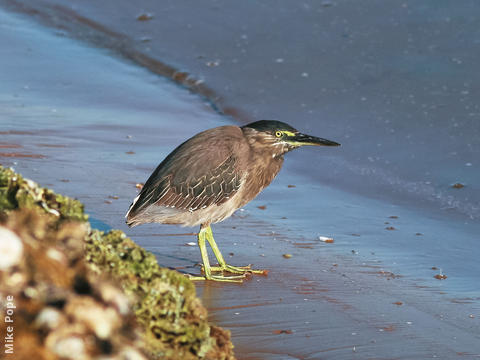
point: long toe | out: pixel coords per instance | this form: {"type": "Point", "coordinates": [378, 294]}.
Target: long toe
{"type": "Point", "coordinates": [259, 271]}
{"type": "Point", "coordinates": [234, 278]}
{"type": "Point", "coordinates": [238, 269]}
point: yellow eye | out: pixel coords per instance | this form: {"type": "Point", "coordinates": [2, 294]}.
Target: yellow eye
{"type": "Point", "coordinates": [278, 134]}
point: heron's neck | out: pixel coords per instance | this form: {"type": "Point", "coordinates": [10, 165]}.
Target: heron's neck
{"type": "Point", "coordinates": [266, 167]}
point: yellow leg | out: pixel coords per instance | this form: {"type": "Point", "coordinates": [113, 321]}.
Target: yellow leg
{"type": "Point", "coordinates": [206, 263]}
{"type": "Point", "coordinates": [223, 266]}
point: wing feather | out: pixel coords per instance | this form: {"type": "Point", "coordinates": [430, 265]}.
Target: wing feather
{"type": "Point", "coordinates": [192, 177]}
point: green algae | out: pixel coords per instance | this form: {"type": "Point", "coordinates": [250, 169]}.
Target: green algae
{"type": "Point", "coordinates": [17, 192]}
{"type": "Point", "coordinates": [172, 319]}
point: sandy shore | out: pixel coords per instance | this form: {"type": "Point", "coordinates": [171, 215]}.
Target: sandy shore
{"type": "Point", "coordinates": [91, 125]}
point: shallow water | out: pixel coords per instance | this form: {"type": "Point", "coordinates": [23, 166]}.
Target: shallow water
{"type": "Point", "coordinates": [78, 133]}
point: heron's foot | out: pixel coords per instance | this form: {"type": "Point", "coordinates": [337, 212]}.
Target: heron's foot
{"type": "Point", "coordinates": [238, 269]}
{"type": "Point", "coordinates": [234, 278]}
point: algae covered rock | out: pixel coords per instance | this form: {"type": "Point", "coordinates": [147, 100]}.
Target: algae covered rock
{"type": "Point", "coordinates": [17, 192]}
{"type": "Point", "coordinates": [59, 309]}
{"type": "Point", "coordinates": [84, 294]}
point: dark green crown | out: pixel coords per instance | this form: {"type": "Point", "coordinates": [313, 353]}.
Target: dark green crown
{"type": "Point", "coordinates": [270, 125]}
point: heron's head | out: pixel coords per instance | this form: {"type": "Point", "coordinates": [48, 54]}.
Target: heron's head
{"type": "Point", "coordinates": [278, 138]}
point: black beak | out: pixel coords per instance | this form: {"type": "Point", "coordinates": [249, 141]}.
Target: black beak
{"type": "Point", "coordinates": [303, 139]}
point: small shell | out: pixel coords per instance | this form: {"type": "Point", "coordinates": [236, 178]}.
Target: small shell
{"type": "Point", "coordinates": [326, 239]}
{"type": "Point", "coordinates": [11, 248]}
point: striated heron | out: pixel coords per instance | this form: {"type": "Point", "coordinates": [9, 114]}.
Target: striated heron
{"type": "Point", "coordinates": [205, 179]}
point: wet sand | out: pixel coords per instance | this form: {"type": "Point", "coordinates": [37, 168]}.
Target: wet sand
{"type": "Point", "coordinates": [370, 294]}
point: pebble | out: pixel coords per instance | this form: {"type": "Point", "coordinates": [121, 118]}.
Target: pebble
{"type": "Point", "coordinates": [145, 17]}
